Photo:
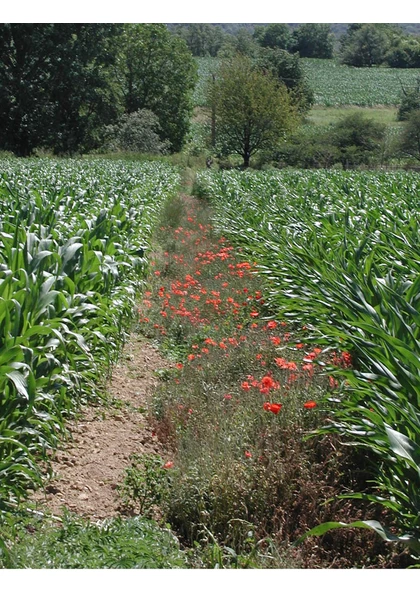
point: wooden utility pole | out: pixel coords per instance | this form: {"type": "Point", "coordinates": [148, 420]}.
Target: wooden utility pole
{"type": "Point", "coordinates": [213, 114]}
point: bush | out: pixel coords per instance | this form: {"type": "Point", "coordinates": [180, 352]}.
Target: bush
{"type": "Point", "coordinates": [354, 140]}
{"type": "Point", "coordinates": [410, 138]}
{"type": "Point", "coordinates": [358, 140]}
{"type": "Point", "coordinates": [136, 132]}
{"type": "Point", "coordinates": [410, 101]}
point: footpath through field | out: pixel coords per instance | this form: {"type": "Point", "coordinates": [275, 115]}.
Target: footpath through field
{"type": "Point", "coordinates": [221, 393]}
{"type": "Point", "coordinates": [203, 310]}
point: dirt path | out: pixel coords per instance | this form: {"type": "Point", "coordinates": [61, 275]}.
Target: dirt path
{"type": "Point", "coordinates": [88, 469]}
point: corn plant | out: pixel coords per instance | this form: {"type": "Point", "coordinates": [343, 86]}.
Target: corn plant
{"type": "Point", "coordinates": [339, 252]}
{"type": "Point", "coordinates": [74, 237]}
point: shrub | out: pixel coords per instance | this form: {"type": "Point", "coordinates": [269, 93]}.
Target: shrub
{"type": "Point", "coordinates": [410, 101]}
{"type": "Point", "coordinates": [136, 132]}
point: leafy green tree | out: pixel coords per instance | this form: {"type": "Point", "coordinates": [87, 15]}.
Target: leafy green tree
{"type": "Point", "coordinates": [23, 94]}
{"type": "Point", "coordinates": [367, 44]}
{"type": "Point", "coordinates": [404, 53]}
{"type": "Point", "coordinates": [55, 88]}
{"type": "Point", "coordinates": [287, 68]}
{"type": "Point", "coordinates": [358, 139]}
{"type": "Point", "coordinates": [84, 92]}
{"type": "Point", "coordinates": [242, 43]}
{"type": "Point", "coordinates": [313, 40]}
{"type": "Point", "coordinates": [410, 101]}
{"type": "Point", "coordinates": [157, 72]}
{"type": "Point", "coordinates": [253, 110]}
{"type": "Point", "coordinates": [409, 144]}
{"type": "Point", "coordinates": [274, 35]}
{"type": "Point", "coordinates": [202, 39]}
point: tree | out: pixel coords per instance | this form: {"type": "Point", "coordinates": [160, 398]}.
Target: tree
{"type": "Point", "coordinates": [202, 39]}
{"type": "Point", "coordinates": [54, 85]}
{"type": "Point", "coordinates": [313, 40]}
{"type": "Point", "coordinates": [357, 138]}
{"type": "Point", "coordinates": [24, 70]}
{"type": "Point", "coordinates": [138, 132]}
{"type": "Point", "coordinates": [84, 93]}
{"type": "Point", "coordinates": [253, 110]}
{"type": "Point", "coordinates": [158, 73]}
{"type": "Point", "coordinates": [367, 44]}
{"type": "Point", "coordinates": [410, 101]}
{"type": "Point", "coordinates": [410, 139]}
{"type": "Point", "coordinates": [287, 69]}
{"type": "Point", "coordinates": [275, 35]}
{"type": "Point", "coordinates": [242, 43]}
{"type": "Point", "coordinates": [404, 53]}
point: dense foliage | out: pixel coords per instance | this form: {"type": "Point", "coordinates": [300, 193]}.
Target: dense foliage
{"type": "Point", "coordinates": [159, 74]}
{"type": "Point", "coordinates": [62, 84]}
{"type": "Point", "coordinates": [56, 86]}
{"type": "Point", "coordinates": [372, 44]}
{"type": "Point", "coordinates": [354, 140]}
{"type": "Point", "coordinates": [203, 39]}
{"type": "Point", "coordinates": [136, 132]}
{"type": "Point", "coordinates": [313, 40]}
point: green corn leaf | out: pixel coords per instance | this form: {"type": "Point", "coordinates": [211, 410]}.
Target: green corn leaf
{"type": "Point", "coordinates": [407, 539]}
{"type": "Point", "coordinates": [403, 446]}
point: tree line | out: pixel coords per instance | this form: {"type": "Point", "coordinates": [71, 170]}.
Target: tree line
{"type": "Point", "coordinates": [77, 88]}
{"type": "Point", "coordinates": [359, 44]}
{"type": "Point", "coordinates": [65, 87]}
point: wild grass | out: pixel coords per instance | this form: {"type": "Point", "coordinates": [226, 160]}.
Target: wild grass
{"type": "Point", "coordinates": [76, 543]}
{"type": "Point", "coordinates": [244, 391]}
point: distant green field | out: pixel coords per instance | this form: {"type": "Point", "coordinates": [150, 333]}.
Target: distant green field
{"type": "Point", "coordinates": [336, 85]}
{"type": "Point", "coordinates": [205, 68]}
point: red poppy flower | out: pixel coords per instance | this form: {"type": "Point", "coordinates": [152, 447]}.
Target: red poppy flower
{"type": "Point", "coordinates": [274, 407]}
{"type": "Point", "coordinates": [310, 404]}
{"type": "Point", "coordinates": [268, 382]}
{"type": "Point", "coordinates": [271, 325]}
{"type": "Point", "coordinates": [247, 454]}
{"type": "Point", "coordinates": [168, 464]}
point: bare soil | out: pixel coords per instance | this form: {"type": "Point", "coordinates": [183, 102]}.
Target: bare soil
{"type": "Point", "coordinates": [89, 467]}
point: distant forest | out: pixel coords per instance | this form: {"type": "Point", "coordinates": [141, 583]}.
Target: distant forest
{"type": "Point", "coordinates": [337, 28]}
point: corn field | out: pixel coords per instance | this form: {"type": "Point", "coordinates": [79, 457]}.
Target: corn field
{"type": "Point", "coordinates": [336, 84]}
{"type": "Point", "coordinates": [339, 252]}
{"type": "Point", "coordinates": [74, 238]}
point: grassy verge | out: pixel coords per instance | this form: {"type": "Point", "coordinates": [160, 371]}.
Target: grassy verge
{"type": "Point", "coordinates": [323, 116]}
{"type": "Point", "coordinates": [74, 543]}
